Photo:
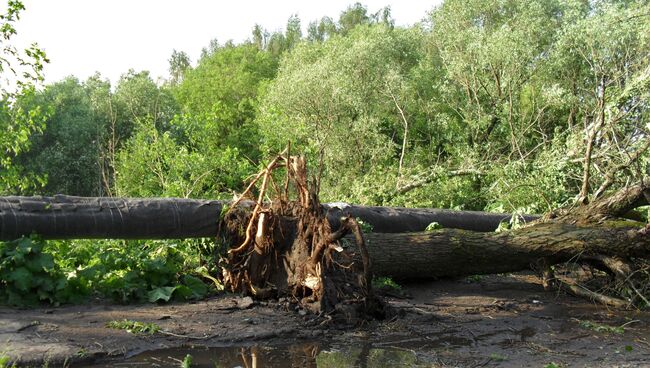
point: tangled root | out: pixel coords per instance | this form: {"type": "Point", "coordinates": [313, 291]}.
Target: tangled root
{"type": "Point", "coordinates": [285, 247]}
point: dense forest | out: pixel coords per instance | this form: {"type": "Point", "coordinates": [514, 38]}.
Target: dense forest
{"type": "Point", "coordinates": [508, 106]}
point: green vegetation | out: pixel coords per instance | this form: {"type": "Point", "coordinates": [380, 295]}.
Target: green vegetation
{"type": "Point", "coordinates": [513, 106]}
{"type": "Point", "coordinates": [474, 279]}
{"type": "Point", "coordinates": [134, 327]}
{"type": "Point", "coordinates": [385, 283]}
{"type": "Point", "coordinates": [498, 357]}
{"type": "Point", "coordinates": [433, 226]}
{"type": "Point", "coordinates": [4, 362]}
{"type": "Point", "coordinates": [365, 227]}
{"type": "Point", "coordinates": [594, 326]}
{"type": "Point", "coordinates": [187, 361]}
{"type": "Point", "coordinates": [33, 271]}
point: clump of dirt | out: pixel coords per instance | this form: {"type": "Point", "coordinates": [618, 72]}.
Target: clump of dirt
{"type": "Point", "coordinates": [285, 247]}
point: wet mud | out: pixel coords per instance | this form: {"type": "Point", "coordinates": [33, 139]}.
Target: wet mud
{"type": "Point", "coordinates": [487, 321]}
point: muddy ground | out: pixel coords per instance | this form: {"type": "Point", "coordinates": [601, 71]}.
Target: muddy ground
{"type": "Point", "coordinates": [484, 321]}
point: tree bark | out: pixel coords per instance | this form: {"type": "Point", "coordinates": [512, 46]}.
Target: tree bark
{"type": "Point", "coordinates": [67, 217]}
{"type": "Point", "coordinates": [452, 252]}
{"type": "Point", "coordinates": [579, 233]}
{"type": "Point", "coordinates": [584, 231]}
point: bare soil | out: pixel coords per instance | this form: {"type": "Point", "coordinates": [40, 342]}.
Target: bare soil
{"type": "Point", "coordinates": [490, 321]}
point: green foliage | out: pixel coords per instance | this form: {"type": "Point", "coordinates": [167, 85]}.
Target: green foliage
{"type": "Point", "coordinates": [433, 226]}
{"type": "Point", "coordinates": [192, 288]}
{"type": "Point", "coordinates": [135, 270]}
{"type": "Point", "coordinates": [365, 227]}
{"type": "Point", "coordinates": [187, 361]}
{"type": "Point", "coordinates": [65, 152]}
{"type": "Point", "coordinates": [333, 101]}
{"type": "Point", "coordinates": [54, 272]}
{"type": "Point", "coordinates": [219, 98]}
{"type": "Point", "coordinates": [134, 327]}
{"type": "Point", "coordinates": [154, 164]}
{"type": "Point", "coordinates": [598, 327]}
{"type": "Point", "coordinates": [498, 357]}
{"type": "Point", "coordinates": [18, 124]}
{"type": "Point", "coordinates": [5, 360]}
{"type": "Point", "coordinates": [18, 120]}
{"type": "Point", "coordinates": [29, 276]}
{"type": "Point", "coordinates": [473, 279]}
{"type": "Point", "coordinates": [385, 283]}
{"type": "Point", "coordinates": [509, 92]}
{"type": "Point", "coordinates": [25, 65]}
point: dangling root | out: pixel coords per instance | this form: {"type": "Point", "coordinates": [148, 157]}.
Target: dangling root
{"type": "Point", "coordinates": [289, 249]}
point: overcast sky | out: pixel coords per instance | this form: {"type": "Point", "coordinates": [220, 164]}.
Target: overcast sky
{"type": "Point", "coordinates": [111, 36]}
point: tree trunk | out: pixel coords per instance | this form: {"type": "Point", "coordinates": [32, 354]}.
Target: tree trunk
{"type": "Point", "coordinates": [586, 232]}
{"type": "Point", "coordinates": [67, 217]}
{"type": "Point", "coordinates": [589, 230]}
{"type": "Point", "coordinates": [452, 252]}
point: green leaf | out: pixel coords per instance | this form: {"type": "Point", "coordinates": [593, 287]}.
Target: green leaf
{"type": "Point", "coordinates": [41, 262]}
{"type": "Point", "coordinates": [183, 293]}
{"type": "Point", "coordinates": [161, 293]}
{"type": "Point", "coordinates": [433, 226]}
{"type": "Point", "coordinates": [22, 278]}
{"type": "Point", "coordinates": [199, 289]}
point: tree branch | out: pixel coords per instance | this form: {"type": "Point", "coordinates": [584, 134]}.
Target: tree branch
{"type": "Point", "coordinates": [434, 175]}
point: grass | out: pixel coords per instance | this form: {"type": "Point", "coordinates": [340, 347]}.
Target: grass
{"type": "Point", "coordinates": [187, 361]}
{"type": "Point", "coordinates": [498, 357]}
{"type": "Point", "coordinates": [134, 327]}
{"type": "Point", "coordinates": [473, 279]}
{"type": "Point", "coordinates": [594, 326]}
{"type": "Point", "coordinates": [4, 361]}
{"type": "Point", "coordinates": [385, 283]}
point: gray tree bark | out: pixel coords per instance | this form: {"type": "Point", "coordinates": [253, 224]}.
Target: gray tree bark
{"type": "Point", "coordinates": [67, 217]}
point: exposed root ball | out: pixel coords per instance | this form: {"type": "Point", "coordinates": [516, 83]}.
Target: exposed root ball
{"type": "Point", "coordinates": [286, 247]}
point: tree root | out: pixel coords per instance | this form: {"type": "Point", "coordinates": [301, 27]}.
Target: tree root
{"type": "Point", "coordinates": [286, 247]}
{"type": "Point", "coordinates": [626, 285]}
{"type": "Point", "coordinates": [583, 292]}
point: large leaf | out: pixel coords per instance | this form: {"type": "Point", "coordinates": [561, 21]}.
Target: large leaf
{"type": "Point", "coordinates": [199, 289]}
{"type": "Point", "coordinates": [162, 293]}
{"type": "Point", "coordinates": [21, 278]}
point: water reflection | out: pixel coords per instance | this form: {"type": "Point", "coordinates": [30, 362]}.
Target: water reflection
{"type": "Point", "coordinates": [310, 355]}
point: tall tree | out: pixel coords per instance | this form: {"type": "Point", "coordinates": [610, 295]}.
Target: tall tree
{"type": "Point", "coordinates": [179, 63]}
{"type": "Point", "coordinates": [66, 151]}
{"type": "Point", "coordinates": [321, 30]}
{"type": "Point", "coordinates": [293, 32]}
{"type": "Point", "coordinates": [19, 71]}
{"type": "Point", "coordinates": [340, 100]}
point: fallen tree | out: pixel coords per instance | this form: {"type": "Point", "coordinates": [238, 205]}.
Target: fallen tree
{"type": "Point", "coordinates": [292, 244]}
{"type": "Point", "coordinates": [69, 217]}
{"type": "Point", "coordinates": [596, 235]}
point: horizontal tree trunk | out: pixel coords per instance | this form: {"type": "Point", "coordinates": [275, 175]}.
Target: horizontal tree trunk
{"type": "Point", "coordinates": [583, 231]}
{"type": "Point", "coordinates": [451, 252]}
{"type": "Point", "coordinates": [579, 233]}
{"type": "Point", "coordinates": [66, 217]}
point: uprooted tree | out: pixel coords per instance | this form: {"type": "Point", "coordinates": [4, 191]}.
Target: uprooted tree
{"type": "Point", "coordinates": [294, 250]}
{"type": "Point", "coordinates": [286, 246]}
{"type": "Point", "coordinates": [283, 242]}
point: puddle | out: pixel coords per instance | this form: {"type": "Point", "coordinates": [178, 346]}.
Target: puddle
{"type": "Point", "coordinates": [310, 355]}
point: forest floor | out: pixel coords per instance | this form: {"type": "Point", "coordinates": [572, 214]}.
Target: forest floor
{"type": "Point", "coordinates": [486, 321]}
